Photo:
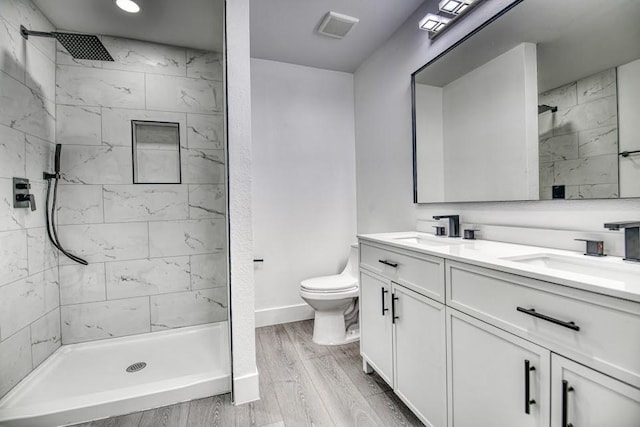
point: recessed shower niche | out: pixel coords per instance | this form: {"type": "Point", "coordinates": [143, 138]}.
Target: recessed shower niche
{"type": "Point", "coordinates": [156, 152]}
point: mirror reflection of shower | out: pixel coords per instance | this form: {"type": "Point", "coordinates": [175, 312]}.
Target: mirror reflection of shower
{"type": "Point", "coordinates": [52, 196]}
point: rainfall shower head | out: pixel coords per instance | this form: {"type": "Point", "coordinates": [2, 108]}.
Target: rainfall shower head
{"type": "Point", "coordinates": [544, 108]}
{"type": "Point", "coordinates": [80, 46]}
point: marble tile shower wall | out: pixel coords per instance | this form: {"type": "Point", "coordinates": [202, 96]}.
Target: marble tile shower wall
{"type": "Point", "coordinates": [579, 143]}
{"type": "Point", "coordinates": [156, 252]}
{"type": "Point", "coordinates": [29, 290]}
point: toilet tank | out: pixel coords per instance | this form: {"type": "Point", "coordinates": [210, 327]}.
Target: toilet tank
{"type": "Point", "coordinates": [353, 263]}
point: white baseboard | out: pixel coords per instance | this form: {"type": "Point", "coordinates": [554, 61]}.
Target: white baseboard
{"type": "Point", "coordinates": [246, 388]}
{"type": "Point", "coordinates": [286, 314]}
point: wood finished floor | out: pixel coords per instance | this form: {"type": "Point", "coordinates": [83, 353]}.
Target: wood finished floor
{"type": "Point", "coordinates": [301, 384]}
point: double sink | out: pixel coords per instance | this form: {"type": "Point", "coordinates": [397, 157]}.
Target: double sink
{"type": "Point", "coordinates": [606, 268]}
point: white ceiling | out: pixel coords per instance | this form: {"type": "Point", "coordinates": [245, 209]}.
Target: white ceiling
{"type": "Point", "coordinates": [187, 23]}
{"type": "Point", "coordinates": [285, 30]}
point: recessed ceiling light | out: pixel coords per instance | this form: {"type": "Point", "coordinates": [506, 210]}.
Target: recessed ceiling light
{"type": "Point", "coordinates": [433, 23]}
{"type": "Point", "coordinates": [128, 6]}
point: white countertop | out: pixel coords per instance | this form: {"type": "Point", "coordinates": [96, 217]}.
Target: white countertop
{"type": "Point", "coordinates": [490, 254]}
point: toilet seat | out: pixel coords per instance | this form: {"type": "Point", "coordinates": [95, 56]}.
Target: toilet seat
{"type": "Point", "coordinates": [330, 284]}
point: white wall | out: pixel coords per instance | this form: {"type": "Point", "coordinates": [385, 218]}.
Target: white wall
{"type": "Point", "coordinates": [383, 145]}
{"type": "Point", "coordinates": [245, 373]}
{"type": "Point", "coordinates": [629, 127]}
{"type": "Point", "coordinates": [304, 210]}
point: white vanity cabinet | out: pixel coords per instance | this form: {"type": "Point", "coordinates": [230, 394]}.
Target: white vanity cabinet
{"type": "Point", "coordinates": [583, 397]}
{"type": "Point", "coordinates": [375, 324]}
{"type": "Point", "coordinates": [467, 345]}
{"type": "Point", "coordinates": [419, 356]}
{"type": "Point", "coordinates": [495, 378]}
{"type": "Point", "coordinates": [514, 315]}
{"type": "Point", "coordinates": [418, 272]}
{"type": "Point", "coordinates": [590, 328]}
{"type": "Point", "coordinates": [402, 332]}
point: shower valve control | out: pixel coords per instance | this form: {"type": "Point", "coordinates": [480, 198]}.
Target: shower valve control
{"type": "Point", "coordinates": [21, 196]}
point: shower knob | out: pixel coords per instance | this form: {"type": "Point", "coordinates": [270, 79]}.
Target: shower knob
{"type": "Point", "coordinates": [27, 198]}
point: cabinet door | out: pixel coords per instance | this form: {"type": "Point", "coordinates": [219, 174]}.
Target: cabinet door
{"type": "Point", "coordinates": [419, 355]}
{"type": "Point", "coordinates": [489, 384]}
{"type": "Point", "coordinates": [375, 324]}
{"type": "Point", "coordinates": [583, 397]}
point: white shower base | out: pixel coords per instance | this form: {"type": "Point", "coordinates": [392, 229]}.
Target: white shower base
{"type": "Point", "coordinates": [88, 381]}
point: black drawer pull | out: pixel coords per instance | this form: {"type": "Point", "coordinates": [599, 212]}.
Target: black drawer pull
{"type": "Point", "coordinates": [384, 291]}
{"type": "Point", "coordinates": [566, 388]}
{"type": "Point", "coordinates": [532, 312]}
{"type": "Point", "coordinates": [394, 298]}
{"type": "Point", "coordinates": [389, 263]}
{"type": "Point", "coordinates": [528, 401]}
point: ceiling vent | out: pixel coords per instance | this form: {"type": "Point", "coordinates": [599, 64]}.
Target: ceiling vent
{"type": "Point", "coordinates": [337, 25]}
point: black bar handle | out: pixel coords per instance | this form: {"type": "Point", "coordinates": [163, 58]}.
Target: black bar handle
{"type": "Point", "coordinates": [384, 291]}
{"type": "Point", "coordinates": [565, 400]}
{"type": "Point", "coordinates": [394, 298]}
{"type": "Point", "coordinates": [532, 312]}
{"type": "Point", "coordinates": [389, 263]}
{"type": "Point", "coordinates": [528, 401]}
{"type": "Point", "coordinates": [258, 260]}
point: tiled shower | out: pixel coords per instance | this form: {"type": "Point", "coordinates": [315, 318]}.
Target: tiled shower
{"type": "Point", "coordinates": [157, 253]}
{"type": "Point", "coordinates": [29, 287]}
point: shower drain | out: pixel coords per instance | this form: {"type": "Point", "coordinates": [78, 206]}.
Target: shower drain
{"type": "Point", "coordinates": [138, 366]}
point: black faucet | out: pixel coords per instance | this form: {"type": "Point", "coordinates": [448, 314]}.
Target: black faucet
{"type": "Point", "coordinates": [631, 238]}
{"type": "Point", "coordinates": [454, 224]}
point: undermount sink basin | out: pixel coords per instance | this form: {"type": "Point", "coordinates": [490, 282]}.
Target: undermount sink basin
{"type": "Point", "coordinates": [585, 266]}
{"type": "Point", "coordinates": [430, 241]}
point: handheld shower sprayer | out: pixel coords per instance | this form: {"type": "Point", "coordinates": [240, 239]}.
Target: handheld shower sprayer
{"type": "Point", "coordinates": [56, 164]}
{"type": "Point", "coordinates": [51, 218]}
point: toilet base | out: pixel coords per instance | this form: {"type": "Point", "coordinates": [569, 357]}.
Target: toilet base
{"type": "Point", "coordinates": [329, 329]}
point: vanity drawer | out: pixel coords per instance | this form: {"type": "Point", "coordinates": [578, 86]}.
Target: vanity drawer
{"type": "Point", "coordinates": [419, 272]}
{"type": "Point", "coordinates": [605, 331]}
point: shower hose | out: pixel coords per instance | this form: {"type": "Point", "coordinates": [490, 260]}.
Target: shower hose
{"type": "Point", "coordinates": [51, 228]}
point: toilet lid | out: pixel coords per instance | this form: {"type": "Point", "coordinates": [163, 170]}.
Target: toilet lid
{"type": "Point", "coordinates": [336, 283]}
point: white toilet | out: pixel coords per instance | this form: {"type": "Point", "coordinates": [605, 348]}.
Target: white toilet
{"type": "Point", "coordinates": [334, 298]}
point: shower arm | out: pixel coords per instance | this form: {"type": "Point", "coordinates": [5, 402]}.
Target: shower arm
{"type": "Point", "coordinates": [79, 46]}
{"type": "Point", "coordinates": [26, 33]}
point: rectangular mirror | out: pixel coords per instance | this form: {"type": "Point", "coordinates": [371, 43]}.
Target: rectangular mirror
{"type": "Point", "coordinates": [156, 152]}
{"type": "Point", "coordinates": [542, 102]}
